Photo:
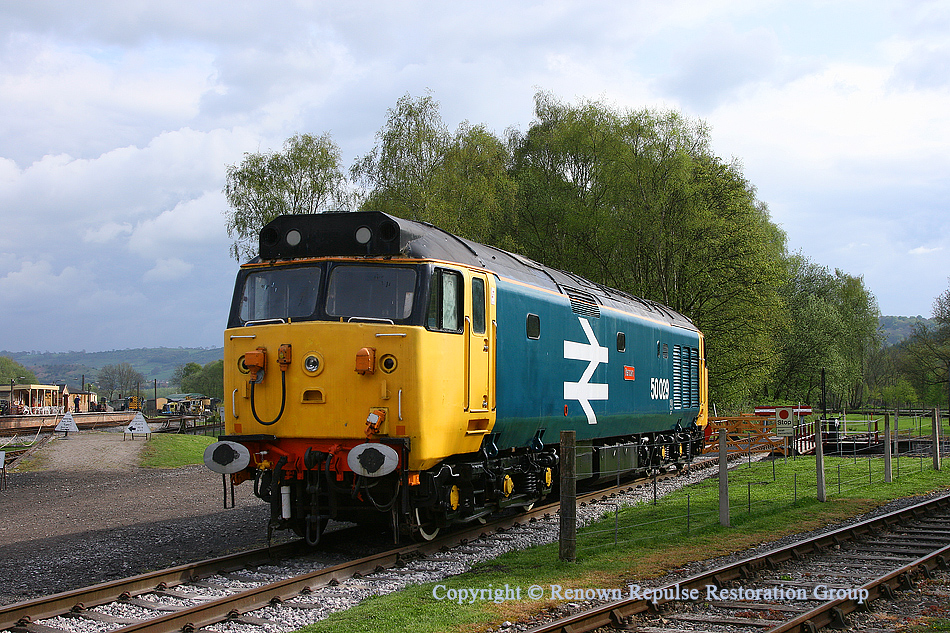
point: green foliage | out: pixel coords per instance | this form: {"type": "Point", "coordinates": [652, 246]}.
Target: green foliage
{"type": "Point", "coordinates": [304, 178]}
{"type": "Point", "coordinates": [208, 380]}
{"type": "Point", "coordinates": [636, 201]}
{"type": "Point", "coordinates": [899, 395]}
{"type": "Point", "coordinates": [421, 171]}
{"type": "Point", "coordinates": [924, 359]}
{"type": "Point", "coordinates": [632, 199]}
{"type": "Point", "coordinates": [182, 372]}
{"type": "Point", "coordinates": [832, 324]}
{"type": "Point", "coordinates": [12, 370]}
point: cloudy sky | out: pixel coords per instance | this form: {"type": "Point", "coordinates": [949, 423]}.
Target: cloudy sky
{"type": "Point", "coordinates": [118, 119]}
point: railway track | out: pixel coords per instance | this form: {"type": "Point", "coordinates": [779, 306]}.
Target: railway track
{"type": "Point", "coordinates": [803, 587]}
{"type": "Point", "coordinates": [189, 597]}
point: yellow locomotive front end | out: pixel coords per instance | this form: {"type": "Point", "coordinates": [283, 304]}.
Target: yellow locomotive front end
{"type": "Point", "coordinates": [343, 383]}
{"type": "Point", "coordinates": [348, 380]}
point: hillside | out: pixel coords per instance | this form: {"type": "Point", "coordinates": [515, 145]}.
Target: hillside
{"type": "Point", "coordinates": [159, 363]}
{"type": "Point", "coordinates": [56, 368]}
{"type": "Point", "coordinates": [899, 328]}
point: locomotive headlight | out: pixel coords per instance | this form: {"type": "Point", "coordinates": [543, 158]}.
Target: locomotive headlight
{"type": "Point", "coordinates": [388, 363]}
{"type": "Point", "coordinates": [312, 363]}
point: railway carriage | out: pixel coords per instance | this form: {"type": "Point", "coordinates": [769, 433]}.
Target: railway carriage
{"type": "Point", "coordinates": [377, 367]}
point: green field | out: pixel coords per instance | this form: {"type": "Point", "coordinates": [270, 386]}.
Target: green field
{"type": "Point", "coordinates": [172, 450]}
{"type": "Point", "coordinates": [650, 540]}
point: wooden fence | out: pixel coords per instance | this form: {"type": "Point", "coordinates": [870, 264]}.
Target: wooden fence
{"type": "Point", "coordinates": [756, 434]}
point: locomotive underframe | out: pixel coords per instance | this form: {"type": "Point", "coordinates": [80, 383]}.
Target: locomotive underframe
{"type": "Point", "coordinates": [306, 487]}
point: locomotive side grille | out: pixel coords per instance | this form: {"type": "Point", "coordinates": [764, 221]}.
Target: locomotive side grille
{"type": "Point", "coordinates": [677, 377]}
{"type": "Point", "coordinates": [583, 303]}
{"type": "Point", "coordinates": [685, 384]}
{"type": "Point", "coordinates": [694, 377]}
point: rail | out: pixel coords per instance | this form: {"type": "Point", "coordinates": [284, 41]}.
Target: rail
{"type": "Point", "coordinates": [619, 613]}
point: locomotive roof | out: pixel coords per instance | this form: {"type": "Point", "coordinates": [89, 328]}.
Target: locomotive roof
{"type": "Point", "coordinates": [373, 233]}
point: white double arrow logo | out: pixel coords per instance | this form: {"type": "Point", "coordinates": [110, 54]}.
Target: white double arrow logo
{"type": "Point", "coordinates": [584, 391]}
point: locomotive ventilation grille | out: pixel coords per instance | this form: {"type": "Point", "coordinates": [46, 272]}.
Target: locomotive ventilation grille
{"type": "Point", "coordinates": [685, 385]}
{"type": "Point", "coordinates": [583, 303]}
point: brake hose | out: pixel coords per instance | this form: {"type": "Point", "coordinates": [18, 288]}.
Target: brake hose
{"type": "Point", "coordinates": [283, 399]}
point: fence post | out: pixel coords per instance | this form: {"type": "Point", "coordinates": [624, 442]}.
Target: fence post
{"type": "Point", "coordinates": [568, 513]}
{"type": "Point", "coordinates": [723, 479]}
{"type": "Point", "coordinates": [820, 462]}
{"type": "Point", "coordinates": [887, 448]}
{"type": "Point", "coordinates": [936, 438]}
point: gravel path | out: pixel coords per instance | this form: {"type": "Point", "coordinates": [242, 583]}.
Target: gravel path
{"type": "Point", "coordinates": [89, 514]}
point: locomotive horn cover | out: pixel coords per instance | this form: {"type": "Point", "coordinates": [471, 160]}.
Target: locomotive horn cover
{"type": "Point", "coordinates": [333, 234]}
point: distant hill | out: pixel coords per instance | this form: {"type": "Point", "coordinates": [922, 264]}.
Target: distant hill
{"type": "Point", "coordinates": [899, 328]}
{"type": "Point", "coordinates": [56, 368]}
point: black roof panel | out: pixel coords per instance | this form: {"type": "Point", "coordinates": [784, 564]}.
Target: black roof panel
{"type": "Point", "coordinates": [373, 233]}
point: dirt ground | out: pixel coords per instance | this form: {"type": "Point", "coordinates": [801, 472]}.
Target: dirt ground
{"type": "Point", "coordinates": [85, 512]}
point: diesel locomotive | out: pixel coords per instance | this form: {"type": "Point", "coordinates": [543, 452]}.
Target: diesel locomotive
{"type": "Point", "coordinates": [380, 368]}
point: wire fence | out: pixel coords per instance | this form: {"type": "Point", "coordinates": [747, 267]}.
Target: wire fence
{"type": "Point", "coordinates": [757, 487]}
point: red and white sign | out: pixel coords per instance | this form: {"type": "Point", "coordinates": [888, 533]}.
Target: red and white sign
{"type": "Point", "coordinates": [629, 373]}
{"type": "Point", "coordinates": [769, 411]}
{"type": "Point", "coordinates": [784, 421]}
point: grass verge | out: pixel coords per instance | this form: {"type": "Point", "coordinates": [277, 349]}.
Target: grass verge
{"type": "Point", "coordinates": [172, 450]}
{"type": "Point", "coordinates": [650, 540]}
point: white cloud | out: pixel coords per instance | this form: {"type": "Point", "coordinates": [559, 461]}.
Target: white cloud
{"type": "Point", "coordinates": [37, 278]}
{"type": "Point", "coordinates": [107, 232]}
{"type": "Point", "coordinates": [168, 270]}
{"type": "Point", "coordinates": [190, 225]}
{"type": "Point", "coordinates": [717, 66]}
{"type": "Point", "coordinates": [118, 119]}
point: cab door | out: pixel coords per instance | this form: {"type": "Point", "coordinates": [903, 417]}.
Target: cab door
{"type": "Point", "coordinates": [479, 343]}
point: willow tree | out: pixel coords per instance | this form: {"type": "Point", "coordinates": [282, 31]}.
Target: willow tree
{"type": "Point", "coordinates": [926, 355]}
{"type": "Point", "coordinates": [636, 200]}
{"type": "Point", "coordinates": [420, 170]}
{"type": "Point", "coordinates": [831, 324]}
{"type": "Point", "coordinates": [305, 177]}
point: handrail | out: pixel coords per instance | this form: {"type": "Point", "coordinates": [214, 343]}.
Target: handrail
{"type": "Point", "coordinates": [264, 322]}
{"type": "Point", "coordinates": [370, 320]}
{"type": "Point", "coordinates": [468, 362]}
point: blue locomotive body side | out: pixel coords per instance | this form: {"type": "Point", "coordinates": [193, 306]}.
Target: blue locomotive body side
{"type": "Point", "coordinates": [601, 376]}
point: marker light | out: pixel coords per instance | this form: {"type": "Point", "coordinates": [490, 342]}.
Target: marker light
{"type": "Point", "coordinates": [363, 235]}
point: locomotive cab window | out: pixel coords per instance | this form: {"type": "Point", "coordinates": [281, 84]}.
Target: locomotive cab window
{"type": "Point", "coordinates": [280, 294]}
{"type": "Point", "coordinates": [621, 342]}
{"type": "Point", "coordinates": [371, 292]}
{"type": "Point", "coordinates": [478, 305]}
{"type": "Point", "coordinates": [445, 301]}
